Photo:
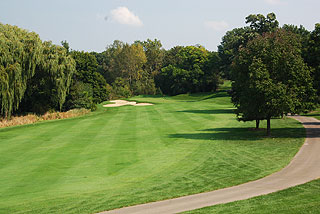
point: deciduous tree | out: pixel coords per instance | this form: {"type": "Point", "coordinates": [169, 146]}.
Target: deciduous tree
{"type": "Point", "coordinates": [271, 78]}
{"type": "Point", "coordinates": [48, 88]}
{"type": "Point", "coordinates": [86, 72]}
{"type": "Point", "coordinates": [190, 69]}
{"type": "Point", "coordinates": [239, 37]}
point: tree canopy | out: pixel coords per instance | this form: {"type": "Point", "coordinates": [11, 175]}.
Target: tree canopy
{"type": "Point", "coordinates": [239, 37]}
{"type": "Point", "coordinates": [189, 69]}
{"type": "Point", "coordinates": [22, 56]}
{"type": "Point", "coordinates": [48, 88]}
{"type": "Point", "coordinates": [313, 56]}
{"type": "Point", "coordinates": [271, 78]}
{"type": "Point", "coordinates": [86, 72]}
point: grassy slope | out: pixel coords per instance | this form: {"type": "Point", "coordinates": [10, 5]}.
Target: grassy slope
{"type": "Point", "coordinates": [296, 200]}
{"type": "Point", "coordinates": [128, 155]}
{"type": "Point", "coordinates": [315, 114]}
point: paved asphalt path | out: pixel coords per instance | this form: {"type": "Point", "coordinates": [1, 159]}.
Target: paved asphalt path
{"type": "Point", "coordinates": [304, 167]}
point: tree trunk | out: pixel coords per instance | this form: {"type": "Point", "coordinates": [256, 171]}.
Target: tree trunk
{"type": "Point", "coordinates": [257, 124]}
{"type": "Point", "coordinates": [268, 126]}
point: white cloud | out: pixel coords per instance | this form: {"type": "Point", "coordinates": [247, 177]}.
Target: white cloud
{"type": "Point", "coordinates": [216, 25]}
{"type": "Point", "coordinates": [124, 16]}
{"type": "Point", "coordinates": [275, 2]}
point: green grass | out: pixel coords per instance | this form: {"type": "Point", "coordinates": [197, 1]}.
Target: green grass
{"type": "Point", "coordinates": [296, 200]}
{"type": "Point", "coordinates": [132, 154]}
{"type": "Point", "coordinates": [315, 114]}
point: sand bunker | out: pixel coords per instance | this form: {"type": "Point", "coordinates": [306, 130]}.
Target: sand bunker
{"type": "Point", "coordinates": [117, 103]}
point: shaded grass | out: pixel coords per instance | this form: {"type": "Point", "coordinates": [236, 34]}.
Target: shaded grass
{"type": "Point", "coordinates": [128, 155]}
{"type": "Point", "coordinates": [296, 200]}
{"type": "Point", "coordinates": [315, 114]}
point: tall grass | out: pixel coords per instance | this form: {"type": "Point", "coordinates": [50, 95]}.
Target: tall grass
{"type": "Point", "coordinates": [32, 118]}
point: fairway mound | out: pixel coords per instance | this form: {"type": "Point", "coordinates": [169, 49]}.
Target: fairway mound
{"type": "Point", "coordinates": [117, 103]}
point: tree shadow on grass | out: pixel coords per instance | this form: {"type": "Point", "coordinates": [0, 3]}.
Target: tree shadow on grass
{"type": "Point", "coordinates": [311, 115]}
{"type": "Point", "coordinates": [312, 123]}
{"type": "Point", "coordinates": [217, 94]}
{"type": "Point", "coordinates": [212, 111]}
{"type": "Point", "coordinates": [243, 134]}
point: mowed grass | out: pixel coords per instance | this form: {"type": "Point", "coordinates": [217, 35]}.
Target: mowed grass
{"type": "Point", "coordinates": [315, 114]}
{"type": "Point", "coordinates": [301, 199]}
{"type": "Point", "coordinates": [128, 155]}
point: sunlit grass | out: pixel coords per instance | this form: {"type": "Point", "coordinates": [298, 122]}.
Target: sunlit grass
{"type": "Point", "coordinates": [33, 118]}
{"type": "Point", "coordinates": [135, 154]}
{"type": "Point", "coordinates": [296, 200]}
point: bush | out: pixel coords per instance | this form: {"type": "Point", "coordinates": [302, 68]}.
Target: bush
{"type": "Point", "coordinates": [80, 96]}
{"type": "Point", "coordinates": [121, 88]}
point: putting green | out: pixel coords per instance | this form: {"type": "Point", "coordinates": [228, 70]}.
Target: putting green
{"type": "Point", "coordinates": [127, 155]}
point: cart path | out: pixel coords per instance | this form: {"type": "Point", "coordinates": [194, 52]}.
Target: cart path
{"type": "Point", "coordinates": [304, 167]}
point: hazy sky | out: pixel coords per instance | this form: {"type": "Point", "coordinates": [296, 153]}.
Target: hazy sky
{"type": "Point", "coordinates": [91, 25]}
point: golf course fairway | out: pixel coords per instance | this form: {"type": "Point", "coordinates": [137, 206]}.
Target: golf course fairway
{"type": "Point", "coordinates": [128, 155]}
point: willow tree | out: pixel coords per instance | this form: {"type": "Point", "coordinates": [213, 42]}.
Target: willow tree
{"type": "Point", "coordinates": [20, 52]}
{"type": "Point", "coordinates": [25, 64]}
{"type": "Point", "coordinates": [47, 89]}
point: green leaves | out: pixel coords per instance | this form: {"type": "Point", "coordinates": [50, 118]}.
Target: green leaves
{"type": "Point", "coordinates": [20, 52]}
{"type": "Point", "coordinates": [271, 78]}
{"type": "Point", "coordinates": [189, 69]}
{"type": "Point", "coordinates": [86, 73]}
{"type": "Point", "coordinates": [262, 24]}
{"type": "Point", "coordinates": [24, 57]}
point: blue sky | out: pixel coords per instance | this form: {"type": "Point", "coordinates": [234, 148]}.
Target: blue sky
{"type": "Point", "coordinates": [92, 25]}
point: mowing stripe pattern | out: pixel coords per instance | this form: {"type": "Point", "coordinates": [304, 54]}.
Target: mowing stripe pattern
{"type": "Point", "coordinates": [129, 155]}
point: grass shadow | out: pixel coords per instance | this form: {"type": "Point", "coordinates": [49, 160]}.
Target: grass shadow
{"type": "Point", "coordinates": [242, 134]}
{"type": "Point", "coordinates": [311, 115]}
{"type": "Point", "coordinates": [217, 94]}
{"type": "Point", "coordinates": [311, 123]}
{"type": "Point", "coordinates": [212, 111]}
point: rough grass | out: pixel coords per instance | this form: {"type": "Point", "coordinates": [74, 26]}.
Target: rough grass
{"type": "Point", "coordinates": [32, 118]}
{"type": "Point", "coordinates": [296, 200]}
{"type": "Point", "coordinates": [123, 156]}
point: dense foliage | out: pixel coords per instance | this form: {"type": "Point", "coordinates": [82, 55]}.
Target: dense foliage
{"type": "Point", "coordinates": [239, 37]}
{"type": "Point", "coordinates": [313, 56]}
{"type": "Point", "coordinates": [38, 76]}
{"type": "Point", "coordinates": [189, 69]}
{"type": "Point", "coordinates": [144, 67]}
{"type": "Point", "coordinates": [48, 88]}
{"type": "Point", "coordinates": [27, 65]}
{"type": "Point", "coordinates": [88, 86]}
{"type": "Point", "coordinates": [270, 78]}
{"type": "Point", "coordinates": [131, 68]}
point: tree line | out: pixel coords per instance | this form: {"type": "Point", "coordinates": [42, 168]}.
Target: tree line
{"type": "Point", "coordinates": [38, 76]}
{"type": "Point", "coordinates": [274, 70]}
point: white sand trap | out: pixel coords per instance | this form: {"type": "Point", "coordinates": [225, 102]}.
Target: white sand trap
{"type": "Point", "coordinates": [144, 104]}
{"type": "Point", "coordinates": [117, 103]}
